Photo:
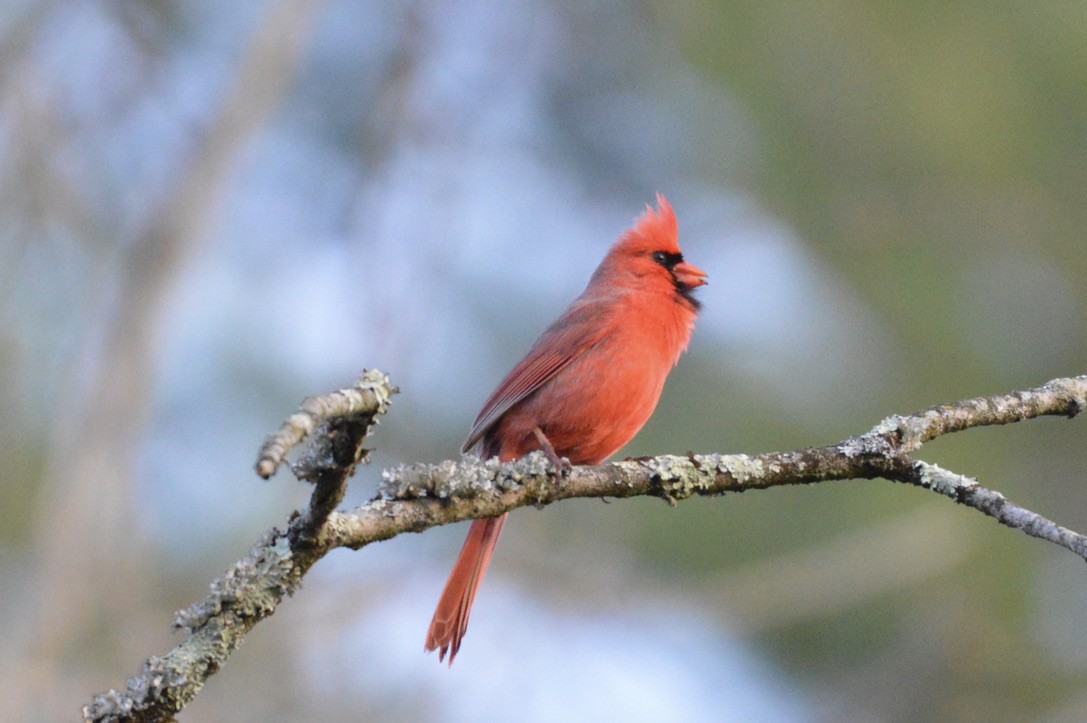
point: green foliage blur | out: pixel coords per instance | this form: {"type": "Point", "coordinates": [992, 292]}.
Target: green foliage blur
{"type": "Point", "coordinates": [933, 154]}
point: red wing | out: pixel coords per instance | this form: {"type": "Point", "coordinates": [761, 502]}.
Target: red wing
{"type": "Point", "coordinates": [575, 332]}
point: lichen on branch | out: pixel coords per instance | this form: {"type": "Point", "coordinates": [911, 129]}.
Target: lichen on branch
{"type": "Point", "coordinates": [414, 498]}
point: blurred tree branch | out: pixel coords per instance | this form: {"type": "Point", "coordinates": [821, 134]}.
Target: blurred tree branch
{"type": "Point", "coordinates": [104, 400]}
{"type": "Point", "coordinates": [414, 498]}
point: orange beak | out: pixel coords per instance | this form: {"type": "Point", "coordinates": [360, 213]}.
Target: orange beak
{"type": "Point", "coordinates": [689, 274]}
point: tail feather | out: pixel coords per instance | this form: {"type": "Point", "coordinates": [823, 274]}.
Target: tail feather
{"type": "Point", "coordinates": [450, 620]}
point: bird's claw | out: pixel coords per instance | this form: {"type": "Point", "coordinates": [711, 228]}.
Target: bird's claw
{"type": "Point", "coordinates": [562, 465]}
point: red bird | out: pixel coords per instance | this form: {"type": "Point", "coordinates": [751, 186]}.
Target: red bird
{"type": "Point", "coordinates": [585, 388]}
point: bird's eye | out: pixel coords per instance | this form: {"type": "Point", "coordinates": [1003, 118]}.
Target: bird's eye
{"type": "Point", "coordinates": [666, 259]}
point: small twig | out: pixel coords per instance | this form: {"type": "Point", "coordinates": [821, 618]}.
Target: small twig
{"type": "Point", "coordinates": [417, 497]}
{"type": "Point", "coordinates": [368, 397]}
{"type": "Point", "coordinates": [967, 491]}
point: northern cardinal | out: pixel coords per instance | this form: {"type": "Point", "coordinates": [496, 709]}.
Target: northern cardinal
{"type": "Point", "coordinates": [585, 387]}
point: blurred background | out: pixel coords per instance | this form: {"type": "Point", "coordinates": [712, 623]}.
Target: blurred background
{"type": "Point", "coordinates": [211, 210]}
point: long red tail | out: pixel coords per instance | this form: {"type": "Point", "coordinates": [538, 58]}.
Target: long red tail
{"type": "Point", "coordinates": [450, 620]}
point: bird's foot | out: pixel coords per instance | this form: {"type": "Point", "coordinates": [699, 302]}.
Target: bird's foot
{"type": "Point", "coordinates": [562, 465]}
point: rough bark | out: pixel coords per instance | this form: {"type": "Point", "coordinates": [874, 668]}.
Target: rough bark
{"type": "Point", "coordinates": [413, 498]}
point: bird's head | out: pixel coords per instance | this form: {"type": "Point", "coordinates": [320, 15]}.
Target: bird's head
{"type": "Point", "coordinates": [648, 255]}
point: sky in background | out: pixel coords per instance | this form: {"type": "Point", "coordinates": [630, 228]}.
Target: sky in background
{"type": "Point", "coordinates": [213, 210]}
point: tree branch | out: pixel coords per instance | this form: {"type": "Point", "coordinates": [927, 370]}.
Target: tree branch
{"type": "Point", "coordinates": [105, 392]}
{"type": "Point", "coordinates": [413, 498]}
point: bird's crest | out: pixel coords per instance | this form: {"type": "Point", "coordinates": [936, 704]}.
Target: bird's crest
{"type": "Point", "coordinates": [655, 230]}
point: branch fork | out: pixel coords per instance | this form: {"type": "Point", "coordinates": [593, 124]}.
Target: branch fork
{"type": "Point", "coordinates": [413, 498]}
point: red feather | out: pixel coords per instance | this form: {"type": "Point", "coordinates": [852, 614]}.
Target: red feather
{"type": "Point", "coordinates": [572, 334]}
{"type": "Point", "coordinates": [586, 386]}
